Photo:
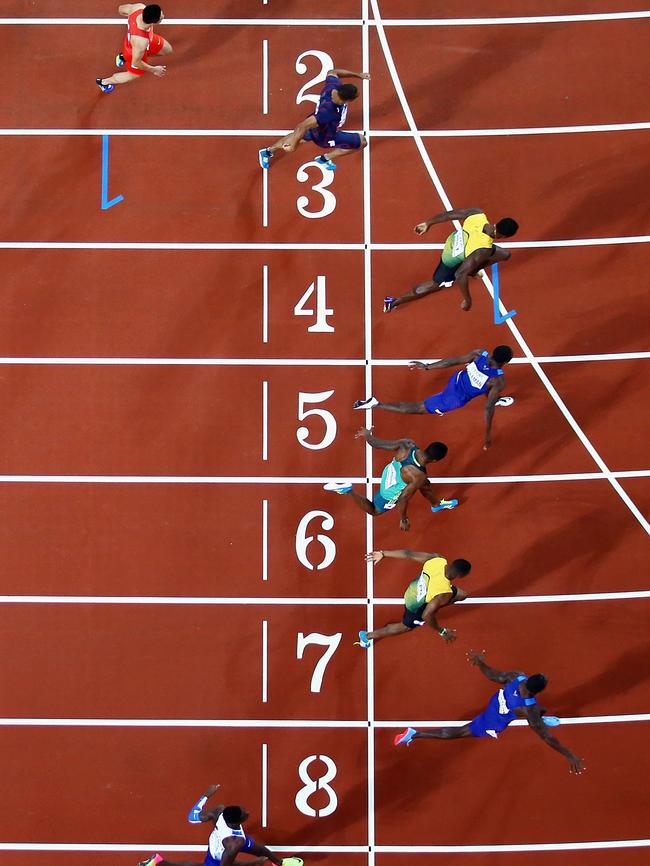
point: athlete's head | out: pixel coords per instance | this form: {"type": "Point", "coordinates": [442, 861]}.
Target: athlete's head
{"type": "Point", "coordinates": [506, 228]}
{"type": "Point", "coordinates": [234, 815]}
{"type": "Point", "coordinates": [536, 684]}
{"type": "Point", "coordinates": [459, 568]}
{"type": "Point", "coordinates": [152, 14]}
{"type": "Point", "coordinates": [347, 92]}
{"type": "Point", "coordinates": [502, 355]}
{"type": "Point", "coordinates": [435, 451]}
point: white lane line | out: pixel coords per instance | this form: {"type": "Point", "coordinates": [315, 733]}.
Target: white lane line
{"type": "Point", "coordinates": [265, 784]}
{"type": "Point", "coordinates": [372, 133]}
{"type": "Point", "coordinates": [284, 723]}
{"type": "Point", "coordinates": [397, 84]}
{"type": "Point", "coordinates": [265, 661]}
{"type": "Point", "coordinates": [265, 539]}
{"type": "Point", "coordinates": [265, 75]}
{"type": "Point", "coordinates": [319, 479]}
{"type": "Point", "coordinates": [306, 602]}
{"type": "Point", "coordinates": [265, 198]}
{"type": "Point", "coordinates": [265, 420]}
{"type": "Point", "coordinates": [185, 246]}
{"type": "Point", "coordinates": [345, 22]}
{"type": "Point", "coordinates": [265, 303]}
{"type": "Point", "coordinates": [295, 362]}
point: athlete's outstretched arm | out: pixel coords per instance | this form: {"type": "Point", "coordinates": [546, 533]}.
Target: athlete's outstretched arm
{"type": "Point", "coordinates": [496, 388]}
{"type": "Point", "coordinates": [478, 660]}
{"type": "Point", "coordinates": [419, 556]}
{"type": "Point", "coordinates": [429, 616]}
{"type": "Point", "coordinates": [127, 8]}
{"type": "Point", "coordinates": [198, 813]}
{"type": "Point", "coordinates": [346, 73]}
{"type": "Point", "coordinates": [445, 216]}
{"type": "Point", "coordinates": [536, 722]}
{"type": "Point", "coordinates": [383, 444]}
{"type": "Point", "coordinates": [445, 362]}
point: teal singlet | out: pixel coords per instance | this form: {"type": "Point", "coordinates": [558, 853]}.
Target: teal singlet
{"type": "Point", "coordinates": [392, 483]}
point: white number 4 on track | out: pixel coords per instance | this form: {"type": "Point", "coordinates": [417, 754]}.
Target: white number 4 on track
{"type": "Point", "coordinates": [322, 311]}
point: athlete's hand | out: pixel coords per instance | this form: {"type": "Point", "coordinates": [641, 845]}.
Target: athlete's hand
{"type": "Point", "coordinates": [417, 365]}
{"type": "Point", "coordinates": [159, 71]}
{"type": "Point", "coordinates": [365, 76]}
{"type": "Point", "coordinates": [576, 765]}
{"type": "Point", "coordinates": [475, 658]}
{"type": "Point", "coordinates": [449, 635]}
{"type": "Point", "coordinates": [375, 556]}
{"type": "Point", "coordinates": [212, 789]}
{"type": "Point", "coordinates": [421, 228]}
{"type": "Point", "coordinates": [466, 305]}
{"type": "Point", "coordinates": [405, 524]}
{"type": "Point", "coordinates": [362, 432]}
{"type": "Point", "coordinates": [488, 443]}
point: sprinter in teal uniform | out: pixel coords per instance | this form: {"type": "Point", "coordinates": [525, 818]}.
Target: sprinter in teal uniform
{"type": "Point", "coordinates": [400, 479]}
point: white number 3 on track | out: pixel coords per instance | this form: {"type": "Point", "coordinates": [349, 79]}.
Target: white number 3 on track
{"type": "Point", "coordinates": [329, 199]}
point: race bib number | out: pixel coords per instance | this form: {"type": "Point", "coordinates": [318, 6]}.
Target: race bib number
{"type": "Point", "coordinates": [476, 378]}
{"type": "Point", "coordinates": [458, 243]}
{"type": "Point", "coordinates": [422, 587]}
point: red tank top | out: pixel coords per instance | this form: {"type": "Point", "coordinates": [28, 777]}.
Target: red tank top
{"type": "Point", "coordinates": [134, 30]}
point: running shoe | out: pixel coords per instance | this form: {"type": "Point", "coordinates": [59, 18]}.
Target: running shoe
{"type": "Point", "coordinates": [120, 61]}
{"type": "Point", "coordinates": [370, 403]}
{"type": "Point", "coordinates": [326, 163]}
{"type": "Point", "coordinates": [404, 739]}
{"type": "Point", "coordinates": [505, 401]}
{"type": "Point", "coordinates": [445, 504]}
{"type": "Point", "coordinates": [105, 88]}
{"type": "Point", "coordinates": [293, 861]}
{"type": "Point", "coordinates": [338, 486]}
{"type": "Point", "coordinates": [363, 641]}
{"type": "Point", "coordinates": [551, 721]}
{"type": "Point", "coordinates": [265, 156]}
{"type": "Point", "coordinates": [388, 304]}
{"type": "Point", "coordinates": [151, 861]}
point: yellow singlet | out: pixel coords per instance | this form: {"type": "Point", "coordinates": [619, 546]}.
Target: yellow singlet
{"type": "Point", "coordinates": [476, 239]}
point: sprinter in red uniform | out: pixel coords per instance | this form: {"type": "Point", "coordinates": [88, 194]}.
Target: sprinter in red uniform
{"type": "Point", "coordinates": [140, 43]}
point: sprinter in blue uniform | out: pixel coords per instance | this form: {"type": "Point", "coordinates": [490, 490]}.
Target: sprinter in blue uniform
{"type": "Point", "coordinates": [483, 375]}
{"type": "Point", "coordinates": [515, 699]}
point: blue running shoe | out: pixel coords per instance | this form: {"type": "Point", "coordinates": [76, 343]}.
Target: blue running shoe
{"type": "Point", "coordinates": [326, 163]}
{"type": "Point", "coordinates": [120, 61]}
{"type": "Point", "coordinates": [105, 88]}
{"type": "Point", "coordinates": [265, 157]}
{"type": "Point", "coordinates": [388, 304]}
{"type": "Point", "coordinates": [551, 721]}
{"type": "Point", "coordinates": [405, 737]}
{"type": "Point", "coordinates": [363, 641]}
{"type": "Point", "coordinates": [445, 504]}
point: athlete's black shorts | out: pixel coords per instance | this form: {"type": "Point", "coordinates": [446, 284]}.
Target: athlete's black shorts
{"type": "Point", "coordinates": [445, 274]}
{"type": "Point", "coordinates": [413, 618]}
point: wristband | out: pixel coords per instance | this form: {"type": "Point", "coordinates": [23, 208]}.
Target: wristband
{"type": "Point", "coordinates": [195, 811]}
{"type": "Point", "coordinates": [442, 632]}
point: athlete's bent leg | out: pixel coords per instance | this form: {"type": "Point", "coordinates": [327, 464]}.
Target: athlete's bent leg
{"type": "Point", "coordinates": [443, 733]}
{"type": "Point", "coordinates": [120, 78]}
{"type": "Point", "coordinates": [346, 151]}
{"type": "Point", "coordinates": [166, 49]}
{"type": "Point", "coordinates": [390, 630]}
{"type": "Point", "coordinates": [364, 504]}
{"type": "Point", "coordinates": [404, 408]}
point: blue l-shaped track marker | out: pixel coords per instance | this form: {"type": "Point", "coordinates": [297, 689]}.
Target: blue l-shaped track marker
{"type": "Point", "coordinates": [106, 203]}
{"type": "Point", "coordinates": [498, 318]}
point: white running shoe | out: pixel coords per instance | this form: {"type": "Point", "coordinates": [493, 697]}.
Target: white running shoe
{"type": "Point", "coordinates": [505, 401]}
{"type": "Point", "coordinates": [370, 403]}
{"type": "Point", "coordinates": [338, 486]}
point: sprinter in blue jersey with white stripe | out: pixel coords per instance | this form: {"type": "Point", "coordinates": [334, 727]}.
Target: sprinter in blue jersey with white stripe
{"type": "Point", "coordinates": [483, 375]}
{"type": "Point", "coordinates": [516, 699]}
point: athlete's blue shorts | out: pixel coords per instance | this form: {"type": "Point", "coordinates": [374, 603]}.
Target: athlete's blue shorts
{"type": "Point", "coordinates": [210, 860]}
{"type": "Point", "coordinates": [382, 504]}
{"type": "Point", "coordinates": [346, 140]}
{"type": "Point", "coordinates": [487, 725]}
{"type": "Point", "coordinates": [445, 401]}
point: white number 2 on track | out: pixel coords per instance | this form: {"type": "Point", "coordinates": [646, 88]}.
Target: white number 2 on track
{"type": "Point", "coordinates": [320, 783]}
{"type": "Point", "coordinates": [331, 641]}
{"type": "Point", "coordinates": [326, 63]}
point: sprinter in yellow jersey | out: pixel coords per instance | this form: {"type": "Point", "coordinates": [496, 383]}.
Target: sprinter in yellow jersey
{"type": "Point", "coordinates": [466, 252]}
{"type": "Point", "coordinates": [431, 590]}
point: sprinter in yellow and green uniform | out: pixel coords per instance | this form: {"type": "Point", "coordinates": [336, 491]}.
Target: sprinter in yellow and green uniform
{"type": "Point", "coordinates": [400, 479]}
{"type": "Point", "coordinates": [431, 590]}
{"type": "Point", "coordinates": [467, 250]}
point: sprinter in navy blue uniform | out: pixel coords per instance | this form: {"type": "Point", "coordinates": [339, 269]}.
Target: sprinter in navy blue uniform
{"type": "Point", "coordinates": [322, 127]}
{"type": "Point", "coordinates": [516, 699]}
{"type": "Point", "coordinates": [483, 374]}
